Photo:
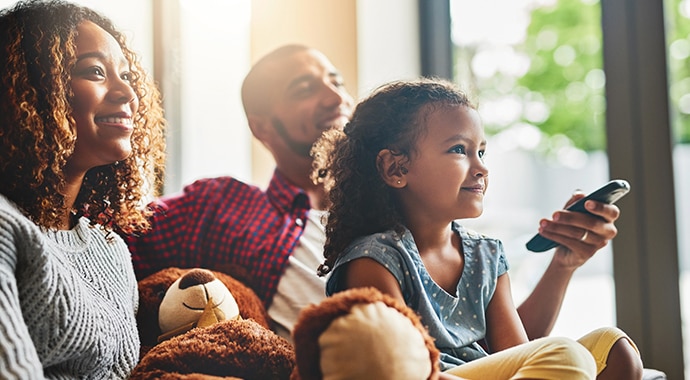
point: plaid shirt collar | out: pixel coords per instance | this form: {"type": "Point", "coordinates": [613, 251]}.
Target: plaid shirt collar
{"type": "Point", "coordinates": [286, 196]}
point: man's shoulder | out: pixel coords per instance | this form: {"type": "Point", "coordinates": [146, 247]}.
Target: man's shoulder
{"type": "Point", "coordinates": [207, 194]}
{"type": "Point", "coordinates": [219, 186]}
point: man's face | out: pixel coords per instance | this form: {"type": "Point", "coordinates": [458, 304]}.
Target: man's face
{"type": "Point", "coordinates": [309, 98]}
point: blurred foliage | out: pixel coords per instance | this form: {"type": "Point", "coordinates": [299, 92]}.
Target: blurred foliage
{"type": "Point", "coordinates": [564, 48]}
{"type": "Point", "coordinates": [678, 41]}
{"type": "Point", "coordinates": [565, 44]}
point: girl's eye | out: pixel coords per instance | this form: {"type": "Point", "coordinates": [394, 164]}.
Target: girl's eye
{"type": "Point", "coordinates": [482, 153]}
{"type": "Point", "coordinates": [459, 149]}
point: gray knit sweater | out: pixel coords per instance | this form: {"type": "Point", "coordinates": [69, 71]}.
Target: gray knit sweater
{"type": "Point", "coordinates": [68, 301]}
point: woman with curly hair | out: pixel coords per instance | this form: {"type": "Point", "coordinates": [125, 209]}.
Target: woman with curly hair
{"type": "Point", "coordinates": [409, 165]}
{"type": "Point", "coordinates": [81, 145]}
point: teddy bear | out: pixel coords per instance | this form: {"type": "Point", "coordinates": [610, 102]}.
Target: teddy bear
{"type": "Point", "coordinates": [363, 334]}
{"type": "Point", "coordinates": [202, 324]}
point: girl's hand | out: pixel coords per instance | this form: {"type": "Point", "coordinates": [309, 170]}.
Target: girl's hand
{"type": "Point", "coordinates": [580, 235]}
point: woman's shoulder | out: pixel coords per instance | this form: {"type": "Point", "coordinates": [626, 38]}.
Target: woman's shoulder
{"type": "Point", "coordinates": [10, 214]}
{"type": "Point", "coordinates": [17, 232]}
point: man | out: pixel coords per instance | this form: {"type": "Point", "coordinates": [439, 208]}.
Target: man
{"type": "Point", "coordinates": [273, 240]}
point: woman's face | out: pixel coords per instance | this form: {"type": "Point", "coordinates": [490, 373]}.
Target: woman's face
{"type": "Point", "coordinates": [104, 102]}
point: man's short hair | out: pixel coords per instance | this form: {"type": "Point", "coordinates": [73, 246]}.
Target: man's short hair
{"type": "Point", "coordinates": [256, 86]}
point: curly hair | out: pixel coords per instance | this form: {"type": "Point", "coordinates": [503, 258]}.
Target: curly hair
{"type": "Point", "coordinates": [38, 132]}
{"type": "Point", "coordinates": [392, 117]}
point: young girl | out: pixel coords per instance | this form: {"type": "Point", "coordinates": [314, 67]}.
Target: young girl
{"type": "Point", "coordinates": [408, 165]}
{"type": "Point", "coordinates": [81, 141]}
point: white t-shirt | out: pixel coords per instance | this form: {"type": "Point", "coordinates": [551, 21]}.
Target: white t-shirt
{"type": "Point", "coordinates": [300, 285]}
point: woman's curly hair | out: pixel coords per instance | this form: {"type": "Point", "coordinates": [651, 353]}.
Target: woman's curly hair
{"type": "Point", "coordinates": [38, 132]}
{"type": "Point", "coordinates": [392, 117]}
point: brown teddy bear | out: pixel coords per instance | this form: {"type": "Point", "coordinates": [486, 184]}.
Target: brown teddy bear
{"type": "Point", "coordinates": [363, 334]}
{"type": "Point", "coordinates": [201, 324]}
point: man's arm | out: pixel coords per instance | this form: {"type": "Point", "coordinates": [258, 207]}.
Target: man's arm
{"type": "Point", "coordinates": [540, 309]}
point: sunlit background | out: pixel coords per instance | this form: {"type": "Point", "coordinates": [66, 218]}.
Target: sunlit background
{"type": "Point", "coordinates": [537, 69]}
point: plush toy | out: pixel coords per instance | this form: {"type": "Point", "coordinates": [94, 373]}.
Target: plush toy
{"type": "Point", "coordinates": [363, 334]}
{"type": "Point", "coordinates": [201, 324]}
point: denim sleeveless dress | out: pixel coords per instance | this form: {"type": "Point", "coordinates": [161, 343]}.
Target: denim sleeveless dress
{"type": "Point", "coordinates": [456, 321]}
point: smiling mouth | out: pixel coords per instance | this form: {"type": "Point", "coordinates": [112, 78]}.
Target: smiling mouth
{"type": "Point", "coordinates": [214, 305]}
{"type": "Point", "coordinates": [114, 120]}
{"type": "Point", "coordinates": [474, 189]}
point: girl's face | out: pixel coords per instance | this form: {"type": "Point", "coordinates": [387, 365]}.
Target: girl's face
{"type": "Point", "coordinates": [104, 101]}
{"type": "Point", "coordinates": [446, 175]}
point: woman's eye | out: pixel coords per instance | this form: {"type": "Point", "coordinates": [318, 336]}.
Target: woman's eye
{"type": "Point", "coordinates": [459, 149]}
{"type": "Point", "coordinates": [126, 76]}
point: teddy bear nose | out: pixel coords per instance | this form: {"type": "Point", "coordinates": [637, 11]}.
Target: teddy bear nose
{"type": "Point", "coordinates": [195, 277]}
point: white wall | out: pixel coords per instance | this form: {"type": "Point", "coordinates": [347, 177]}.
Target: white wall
{"type": "Point", "coordinates": [213, 62]}
{"type": "Point", "coordinates": [387, 42]}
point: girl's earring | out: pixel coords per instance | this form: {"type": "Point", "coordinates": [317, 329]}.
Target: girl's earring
{"type": "Point", "coordinates": [399, 182]}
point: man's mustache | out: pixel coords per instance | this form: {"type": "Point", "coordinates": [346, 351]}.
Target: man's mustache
{"type": "Point", "coordinates": [297, 147]}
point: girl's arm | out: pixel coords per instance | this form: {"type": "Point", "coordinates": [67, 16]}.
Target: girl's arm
{"type": "Point", "coordinates": [540, 310]}
{"type": "Point", "coordinates": [363, 272]}
{"type": "Point", "coordinates": [504, 328]}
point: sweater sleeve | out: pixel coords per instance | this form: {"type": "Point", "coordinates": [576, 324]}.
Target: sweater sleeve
{"type": "Point", "coordinates": [18, 356]}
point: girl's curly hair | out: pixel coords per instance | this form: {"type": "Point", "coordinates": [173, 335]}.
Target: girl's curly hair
{"type": "Point", "coordinates": [38, 132]}
{"type": "Point", "coordinates": [392, 117]}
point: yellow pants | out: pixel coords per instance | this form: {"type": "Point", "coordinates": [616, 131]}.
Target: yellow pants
{"type": "Point", "coordinates": [544, 358]}
{"type": "Point", "coordinates": [547, 358]}
{"type": "Point", "coordinates": [600, 341]}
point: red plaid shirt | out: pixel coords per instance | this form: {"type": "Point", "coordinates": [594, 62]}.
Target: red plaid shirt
{"type": "Point", "coordinates": [226, 225]}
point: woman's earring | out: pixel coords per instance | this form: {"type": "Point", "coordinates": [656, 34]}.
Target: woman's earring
{"type": "Point", "coordinates": [399, 182]}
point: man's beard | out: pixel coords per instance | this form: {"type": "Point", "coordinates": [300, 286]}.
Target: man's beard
{"type": "Point", "coordinates": [299, 148]}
